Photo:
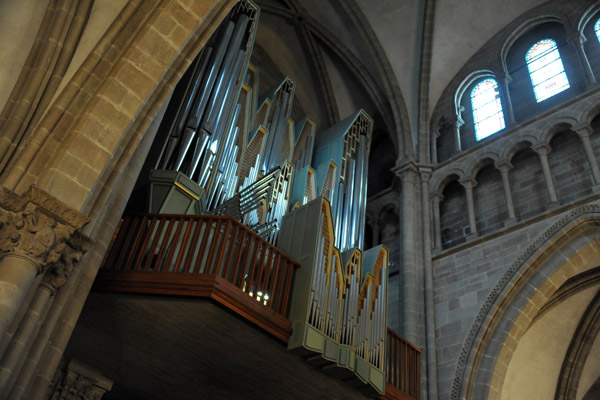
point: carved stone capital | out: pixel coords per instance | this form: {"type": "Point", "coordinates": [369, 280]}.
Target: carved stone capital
{"type": "Point", "coordinates": [468, 182]}
{"type": "Point", "coordinates": [425, 172]}
{"type": "Point", "coordinates": [36, 226]}
{"type": "Point", "coordinates": [59, 271]}
{"type": "Point", "coordinates": [407, 173]}
{"type": "Point", "coordinates": [583, 130]}
{"type": "Point", "coordinates": [504, 166]}
{"type": "Point", "coordinates": [577, 39]}
{"type": "Point", "coordinates": [80, 381]}
{"type": "Point", "coordinates": [543, 149]}
{"type": "Point", "coordinates": [437, 197]}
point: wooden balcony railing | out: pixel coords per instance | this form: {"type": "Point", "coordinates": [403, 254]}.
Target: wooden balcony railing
{"type": "Point", "coordinates": [403, 380]}
{"type": "Point", "coordinates": [206, 256]}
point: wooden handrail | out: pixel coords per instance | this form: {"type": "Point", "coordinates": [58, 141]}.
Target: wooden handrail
{"type": "Point", "coordinates": [167, 244]}
{"type": "Point", "coordinates": [403, 375]}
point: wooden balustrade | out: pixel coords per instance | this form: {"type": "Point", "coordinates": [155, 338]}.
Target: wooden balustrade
{"type": "Point", "coordinates": [185, 254]}
{"type": "Point", "coordinates": [403, 378]}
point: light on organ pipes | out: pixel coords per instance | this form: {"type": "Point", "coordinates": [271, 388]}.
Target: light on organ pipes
{"type": "Point", "coordinates": [252, 162]}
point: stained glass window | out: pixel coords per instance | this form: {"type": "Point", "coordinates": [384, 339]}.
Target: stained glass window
{"type": "Point", "coordinates": [546, 70]}
{"type": "Point", "coordinates": [597, 29]}
{"type": "Point", "coordinates": [487, 109]}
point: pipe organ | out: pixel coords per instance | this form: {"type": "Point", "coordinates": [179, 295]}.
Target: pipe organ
{"type": "Point", "coordinates": [227, 152]}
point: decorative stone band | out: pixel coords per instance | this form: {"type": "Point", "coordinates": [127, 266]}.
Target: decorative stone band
{"type": "Point", "coordinates": [39, 227]}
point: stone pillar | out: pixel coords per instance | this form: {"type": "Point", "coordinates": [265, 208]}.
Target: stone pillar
{"type": "Point", "coordinates": [437, 198]}
{"type": "Point", "coordinates": [80, 381]}
{"type": "Point", "coordinates": [54, 279]}
{"type": "Point", "coordinates": [543, 149]}
{"type": "Point", "coordinates": [504, 167]}
{"type": "Point", "coordinates": [408, 176]}
{"type": "Point", "coordinates": [459, 122]}
{"type": "Point", "coordinates": [34, 229]}
{"type": "Point", "coordinates": [435, 138]}
{"type": "Point", "coordinates": [584, 131]}
{"type": "Point", "coordinates": [469, 184]}
{"type": "Point", "coordinates": [577, 40]}
{"type": "Point", "coordinates": [504, 81]}
{"type": "Point", "coordinates": [431, 348]}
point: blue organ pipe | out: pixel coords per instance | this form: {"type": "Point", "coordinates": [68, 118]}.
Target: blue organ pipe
{"type": "Point", "coordinates": [185, 135]}
{"type": "Point", "coordinates": [207, 85]}
{"type": "Point", "coordinates": [225, 74]}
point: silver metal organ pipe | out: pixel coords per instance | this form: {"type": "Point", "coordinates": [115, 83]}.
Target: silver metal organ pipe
{"type": "Point", "coordinates": [222, 162]}
{"type": "Point", "coordinates": [230, 96]}
{"type": "Point", "coordinates": [363, 191]}
{"type": "Point", "coordinates": [202, 101]}
{"type": "Point", "coordinates": [177, 128]}
{"type": "Point", "coordinates": [347, 226]}
{"type": "Point", "coordinates": [181, 132]}
{"type": "Point", "coordinates": [356, 209]}
{"type": "Point", "coordinates": [197, 111]}
{"type": "Point", "coordinates": [338, 216]}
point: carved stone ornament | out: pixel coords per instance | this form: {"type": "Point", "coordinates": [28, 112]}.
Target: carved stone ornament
{"type": "Point", "coordinates": [59, 271]}
{"type": "Point", "coordinates": [80, 382]}
{"type": "Point", "coordinates": [36, 225]}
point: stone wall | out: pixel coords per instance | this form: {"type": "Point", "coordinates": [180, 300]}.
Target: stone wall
{"type": "Point", "coordinates": [464, 278]}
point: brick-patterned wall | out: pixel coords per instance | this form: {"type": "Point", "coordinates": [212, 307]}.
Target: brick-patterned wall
{"type": "Point", "coordinates": [453, 215]}
{"type": "Point", "coordinates": [570, 168]}
{"type": "Point", "coordinates": [490, 204]}
{"type": "Point", "coordinates": [527, 183]}
{"type": "Point", "coordinates": [462, 282]}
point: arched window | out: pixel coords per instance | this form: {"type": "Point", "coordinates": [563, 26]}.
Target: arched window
{"type": "Point", "coordinates": [546, 69]}
{"type": "Point", "coordinates": [488, 117]}
{"type": "Point", "coordinates": [597, 29]}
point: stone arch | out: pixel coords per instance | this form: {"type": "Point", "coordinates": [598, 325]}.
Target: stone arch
{"type": "Point", "coordinates": [483, 161]}
{"type": "Point", "coordinates": [520, 144]}
{"type": "Point", "coordinates": [120, 88]}
{"type": "Point", "coordinates": [466, 82]}
{"type": "Point", "coordinates": [523, 28]}
{"type": "Point", "coordinates": [586, 16]}
{"type": "Point", "coordinates": [556, 126]}
{"type": "Point", "coordinates": [592, 113]}
{"type": "Point", "coordinates": [569, 247]}
{"type": "Point", "coordinates": [440, 182]}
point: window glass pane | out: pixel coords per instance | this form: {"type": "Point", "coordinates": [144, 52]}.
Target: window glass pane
{"type": "Point", "coordinates": [597, 29]}
{"type": "Point", "coordinates": [546, 69]}
{"type": "Point", "coordinates": [487, 109]}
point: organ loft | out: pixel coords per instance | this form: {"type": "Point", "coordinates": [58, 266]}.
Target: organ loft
{"type": "Point", "coordinates": [299, 199]}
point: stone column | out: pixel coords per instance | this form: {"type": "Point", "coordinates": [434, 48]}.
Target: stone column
{"type": "Point", "coordinates": [584, 131]}
{"type": "Point", "coordinates": [80, 381]}
{"type": "Point", "coordinates": [431, 348]}
{"type": "Point", "coordinates": [543, 149]}
{"type": "Point", "coordinates": [434, 140]}
{"type": "Point", "coordinates": [34, 229]}
{"type": "Point", "coordinates": [504, 167]}
{"type": "Point", "coordinates": [54, 279]}
{"type": "Point", "coordinates": [577, 40]}
{"type": "Point", "coordinates": [469, 184]}
{"type": "Point", "coordinates": [459, 122]}
{"type": "Point", "coordinates": [504, 81]}
{"type": "Point", "coordinates": [408, 176]}
{"type": "Point", "coordinates": [437, 198]}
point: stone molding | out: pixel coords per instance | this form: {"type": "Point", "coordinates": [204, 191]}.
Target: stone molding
{"type": "Point", "coordinates": [477, 328]}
